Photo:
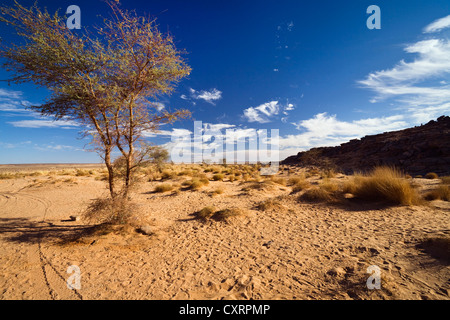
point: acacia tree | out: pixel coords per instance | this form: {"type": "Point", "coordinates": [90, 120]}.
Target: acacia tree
{"type": "Point", "coordinates": [107, 79]}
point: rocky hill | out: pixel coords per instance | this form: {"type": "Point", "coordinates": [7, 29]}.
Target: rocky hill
{"type": "Point", "coordinates": [416, 151]}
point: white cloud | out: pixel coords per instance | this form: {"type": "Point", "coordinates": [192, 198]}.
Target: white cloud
{"type": "Point", "coordinates": [266, 112]}
{"type": "Point", "coordinates": [44, 124]}
{"type": "Point", "coordinates": [262, 113]}
{"type": "Point", "coordinates": [207, 96]}
{"type": "Point", "coordinates": [438, 25]}
{"type": "Point", "coordinates": [419, 87]}
{"type": "Point", "coordinates": [327, 130]}
{"type": "Point", "coordinates": [159, 106]}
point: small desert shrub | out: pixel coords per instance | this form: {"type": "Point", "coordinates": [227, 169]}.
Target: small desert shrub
{"type": "Point", "coordinates": [218, 191]}
{"type": "Point", "coordinates": [259, 186]}
{"type": "Point", "coordinates": [102, 177]}
{"type": "Point", "coordinates": [224, 215]}
{"type": "Point", "coordinates": [167, 175]}
{"type": "Point", "coordinates": [385, 183]}
{"type": "Point", "coordinates": [35, 174]}
{"type": "Point", "coordinates": [440, 193]}
{"type": "Point", "coordinates": [446, 179]}
{"type": "Point", "coordinates": [4, 176]}
{"type": "Point", "coordinates": [418, 176]}
{"type": "Point", "coordinates": [81, 173]}
{"type": "Point", "coordinates": [270, 204]}
{"type": "Point", "coordinates": [316, 194]}
{"type": "Point", "coordinates": [298, 183]}
{"type": "Point", "coordinates": [206, 213]}
{"type": "Point", "coordinates": [296, 179]}
{"type": "Point", "coordinates": [114, 211]}
{"type": "Point", "coordinates": [218, 177]}
{"type": "Point", "coordinates": [195, 184]}
{"type": "Point", "coordinates": [279, 180]}
{"type": "Point", "coordinates": [165, 187]}
{"type": "Point", "coordinates": [328, 173]}
{"type": "Point", "coordinates": [431, 175]}
{"type": "Point", "coordinates": [329, 186]}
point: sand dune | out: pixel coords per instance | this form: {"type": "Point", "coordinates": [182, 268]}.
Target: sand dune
{"type": "Point", "coordinates": [295, 250]}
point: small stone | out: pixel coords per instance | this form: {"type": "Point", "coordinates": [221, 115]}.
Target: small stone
{"type": "Point", "coordinates": [337, 272]}
{"type": "Point", "coordinates": [146, 229]}
{"type": "Point", "coordinates": [75, 218]}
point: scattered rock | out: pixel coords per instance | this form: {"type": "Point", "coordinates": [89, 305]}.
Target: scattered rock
{"type": "Point", "coordinates": [75, 218]}
{"type": "Point", "coordinates": [337, 272]}
{"type": "Point", "coordinates": [146, 229]}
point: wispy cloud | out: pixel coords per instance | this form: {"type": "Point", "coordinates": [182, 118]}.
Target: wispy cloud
{"type": "Point", "coordinates": [327, 130]}
{"type": "Point", "coordinates": [44, 124]}
{"type": "Point", "coordinates": [421, 84]}
{"type": "Point", "coordinates": [438, 25]}
{"type": "Point", "coordinates": [210, 96]}
{"type": "Point", "coordinates": [267, 112]}
{"type": "Point", "coordinates": [13, 102]}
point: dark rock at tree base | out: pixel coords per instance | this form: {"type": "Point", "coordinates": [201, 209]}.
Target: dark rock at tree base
{"type": "Point", "coordinates": [416, 151]}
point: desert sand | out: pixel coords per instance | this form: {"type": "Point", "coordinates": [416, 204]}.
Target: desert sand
{"type": "Point", "coordinates": [293, 250]}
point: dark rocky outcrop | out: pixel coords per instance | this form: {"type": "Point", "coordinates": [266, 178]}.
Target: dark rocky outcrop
{"type": "Point", "coordinates": [416, 151]}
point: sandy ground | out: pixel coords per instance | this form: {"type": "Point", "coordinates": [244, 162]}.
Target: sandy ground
{"type": "Point", "coordinates": [294, 251]}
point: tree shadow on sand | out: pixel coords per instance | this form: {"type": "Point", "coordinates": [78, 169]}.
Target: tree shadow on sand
{"type": "Point", "coordinates": [21, 230]}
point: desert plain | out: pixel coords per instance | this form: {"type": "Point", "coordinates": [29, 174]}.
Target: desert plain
{"type": "Point", "coordinates": [269, 243]}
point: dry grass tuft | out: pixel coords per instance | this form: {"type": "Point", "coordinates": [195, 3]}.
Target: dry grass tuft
{"type": "Point", "coordinates": [165, 187]}
{"type": "Point", "coordinates": [218, 177]}
{"type": "Point", "coordinates": [112, 211]}
{"type": "Point", "coordinates": [270, 205]}
{"type": "Point", "coordinates": [385, 184]}
{"type": "Point", "coordinates": [195, 183]}
{"type": "Point", "coordinates": [445, 180]}
{"type": "Point", "coordinates": [218, 191]}
{"type": "Point", "coordinates": [317, 194]}
{"type": "Point", "coordinates": [206, 213]}
{"type": "Point", "coordinates": [226, 215]}
{"type": "Point", "coordinates": [279, 180]}
{"type": "Point", "coordinates": [431, 175]}
{"type": "Point", "coordinates": [259, 186]}
{"type": "Point", "coordinates": [442, 192]}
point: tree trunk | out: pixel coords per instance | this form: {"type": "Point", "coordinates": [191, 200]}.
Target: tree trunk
{"type": "Point", "coordinates": [110, 173]}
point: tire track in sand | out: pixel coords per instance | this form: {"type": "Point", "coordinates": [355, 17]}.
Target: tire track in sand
{"type": "Point", "coordinates": [48, 275]}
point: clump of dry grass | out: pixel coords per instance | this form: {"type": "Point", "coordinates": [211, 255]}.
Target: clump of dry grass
{"type": "Point", "coordinates": [206, 213]}
{"type": "Point", "coordinates": [82, 173]}
{"type": "Point", "coordinates": [279, 180]}
{"type": "Point", "coordinates": [118, 210]}
{"type": "Point", "coordinates": [317, 194]}
{"type": "Point", "coordinates": [259, 186]}
{"type": "Point", "coordinates": [442, 192]}
{"type": "Point", "coordinates": [270, 205]}
{"type": "Point", "coordinates": [165, 187]}
{"type": "Point", "coordinates": [168, 174]}
{"type": "Point", "coordinates": [431, 175]}
{"type": "Point", "coordinates": [226, 215]}
{"type": "Point", "coordinates": [218, 191]}
{"type": "Point", "coordinates": [5, 176]}
{"type": "Point", "coordinates": [298, 183]}
{"type": "Point", "coordinates": [385, 184]}
{"type": "Point", "coordinates": [445, 180]}
{"type": "Point", "coordinates": [328, 173]}
{"type": "Point", "coordinates": [218, 177]}
{"type": "Point", "coordinates": [195, 183]}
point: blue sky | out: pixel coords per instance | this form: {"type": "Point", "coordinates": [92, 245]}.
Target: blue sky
{"type": "Point", "coordinates": [311, 69]}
